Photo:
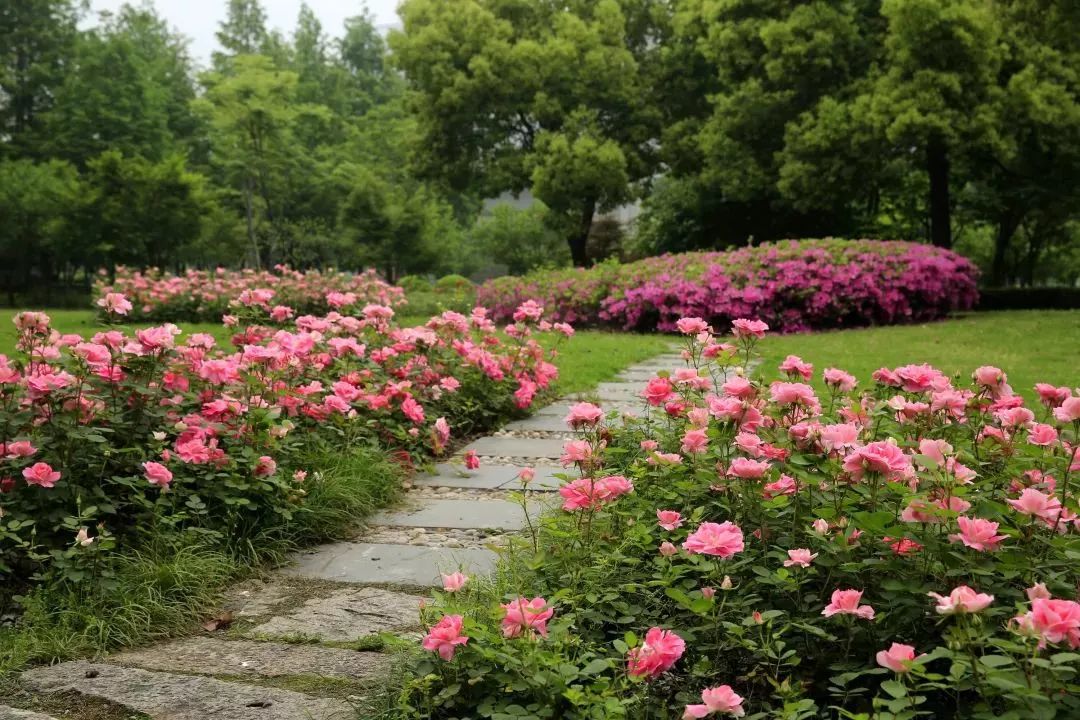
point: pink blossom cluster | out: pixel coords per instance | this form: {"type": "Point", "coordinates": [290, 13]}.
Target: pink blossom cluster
{"type": "Point", "coordinates": [791, 285]}
{"type": "Point", "coordinates": [917, 528]}
{"type": "Point", "coordinates": [208, 295]}
{"type": "Point", "coordinates": [127, 419]}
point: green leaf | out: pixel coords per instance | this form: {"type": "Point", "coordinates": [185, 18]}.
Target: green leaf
{"type": "Point", "coordinates": [894, 688]}
{"type": "Point", "coordinates": [996, 661]}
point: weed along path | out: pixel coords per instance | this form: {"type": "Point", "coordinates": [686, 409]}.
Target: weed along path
{"type": "Point", "coordinates": [305, 641]}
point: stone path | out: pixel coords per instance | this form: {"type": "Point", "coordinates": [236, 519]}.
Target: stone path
{"type": "Point", "coordinates": [303, 642]}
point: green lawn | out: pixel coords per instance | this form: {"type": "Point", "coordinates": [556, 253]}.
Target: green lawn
{"type": "Point", "coordinates": [1029, 345]}
{"type": "Point", "coordinates": [592, 356]}
{"type": "Point", "coordinates": [84, 322]}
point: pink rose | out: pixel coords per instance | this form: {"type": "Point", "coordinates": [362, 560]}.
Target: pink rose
{"type": "Point", "coordinates": [445, 636]}
{"type": "Point", "coordinates": [157, 474]}
{"type": "Point", "coordinates": [661, 650]}
{"type": "Point", "coordinates": [583, 415]}
{"type": "Point", "coordinates": [898, 658]}
{"type": "Point", "coordinates": [743, 328]}
{"type": "Point", "coordinates": [800, 557]}
{"type": "Point", "coordinates": [41, 474]}
{"type": "Point", "coordinates": [454, 581]}
{"type": "Point", "coordinates": [846, 602]}
{"type": "Point", "coordinates": [669, 519]}
{"type": "Point", "coordinates": [977, 534]}
{"type": "Point", "coordinates": [523, 616]}
{"type": "Point", "coordinates": [721, 540]}
{"type": "Point", "coordinates": [716, 700]}
{"type": "Point", "coordinates": [961, 600]}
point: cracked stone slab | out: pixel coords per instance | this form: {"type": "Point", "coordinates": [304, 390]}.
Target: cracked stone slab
{"type": "Point", "coordinates": [168, 696]}
{"type": "Point", "coordinates": [459, 514]}
{"type": "Point", "coordinates": [518, 447]}
{"type": "Point", "coordinates": [10, 713]}
{"type": "Point", "coordinates": [385, 564]}
{"type": "Point", "coordinates": [213, 656]}
{"type": "Point", "coordinates": [345, 615]}
{"type": "Point", "coordinates": [487, 477]}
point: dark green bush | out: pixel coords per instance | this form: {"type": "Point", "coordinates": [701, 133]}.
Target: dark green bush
{"type": "Point", "coordinates": [1031, 298]}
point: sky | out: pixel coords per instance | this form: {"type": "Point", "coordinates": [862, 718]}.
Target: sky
{"type": "Point", "coordinates": [198, 19]}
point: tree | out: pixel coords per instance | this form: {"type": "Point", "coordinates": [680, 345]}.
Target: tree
{"type": "Point", "coordinates": [511, 95]}
{"type": "Point", "coordinates": [114, 97]}
{"type": "Point", "coordinates": [36, 38]}
{"type": "Point", "coordinates": [40, 204]}
{"type": "Point", "coordinates": [938, 92]}
{"type": "Point", "coordinates": [253, 114]}
{"type": "Point", "coordinates": [243, 32]}
{"type": "Point", "coordinates": [140, 212]}
{"type": "Point", "coordinates": [1030, 179]}
{"type": "Point", "coordinates": [522, 240]}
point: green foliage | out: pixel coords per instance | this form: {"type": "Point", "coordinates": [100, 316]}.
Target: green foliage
{"type": "Point", "coordinates": [37, 38]}
{"type": "Point", "coordinates": [138, 211]}
{"type": "Point", "coordinates": [758, 613]}
{"type": "Point", "coordinates": [414, 283]}
{"type": "Point", "coordinates": [948, 120]}
{"type": "Point", "coordinates": [520, 240]}
{"type": "Point", "coordinates": [499, 109]}
{"type": "Point", "coordinates": [40, 203]}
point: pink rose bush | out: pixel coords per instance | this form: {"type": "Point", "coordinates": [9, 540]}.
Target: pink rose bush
{"type": "Point", "coordinates": [901, 546]}
{"type": "Point", "coordinates": [124, 435]}
{"type": "Point", "coordinates": [791, 286]}
{"type": "Point", "coordinates": [205, 296]}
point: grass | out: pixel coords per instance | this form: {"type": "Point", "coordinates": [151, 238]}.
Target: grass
{"type": "Point", "coordinates": [162, 589]}
{"type": "Point", "coordinates": [1029, 345]}
{"type": "Point", "coordinates": [85, 323]}
{"type": "Point", "coordinates": [592, 356]}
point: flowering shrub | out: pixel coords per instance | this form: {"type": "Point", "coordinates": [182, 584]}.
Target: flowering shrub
{"type": "Point", "coordinates": [792, 285]}
{"type": "Point", "coordinates": [205, 296]}
{"type": "Point", "coordinates": [116, 437]}
{"type": "Point", "coordinates": [897, 547]}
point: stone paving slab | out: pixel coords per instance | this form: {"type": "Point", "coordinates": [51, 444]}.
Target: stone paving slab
{"type": "Point", "coordinates": [487, 477]}
{"type": "Point", "coordinates": [636, 375]}
{"type": "Point", "coordinates": [538, 423]}
{"type": "Point", "coordinates": [654, 365]}
{"type": "Point", "coordinates": [213, 656]}
{"type": "Point", "coordinates": [620, 392]}
{"type": "Point", "coordinates": [380, 564]}
{"type": "Point", "coordinates": [345, 615]}
{"type": "Point", "coordinates": [10, 713]}
{"type": "Point", "coordinates": [545, 481]}
{"type": "Point", "coordinates": [166, 696]}
{"type": "Point", "coordinates": [459, 514]}
{"type": "Point", "coordinates": [518, 447]}
{"type": "Point", "coordinates": [562, 408]}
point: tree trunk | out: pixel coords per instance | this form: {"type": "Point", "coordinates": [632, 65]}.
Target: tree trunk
{"type": "Point", "coordinates": [249, 211]}
{"type": "Point", "coordinates": [579, 240]}
{"type": "Point", "coordinates": [1036, 242]}
{"type": "Point", "coordinates": [1007, 225]}
{"type": "Point", "coordinates": [937, 166]}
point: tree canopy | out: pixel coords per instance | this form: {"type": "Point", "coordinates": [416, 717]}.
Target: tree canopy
{"type": "Point", "coordinates": [955, 122]}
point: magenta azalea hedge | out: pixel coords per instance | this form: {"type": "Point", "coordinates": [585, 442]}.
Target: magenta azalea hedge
{"type": "Point", "coordinates": [793, 285]}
